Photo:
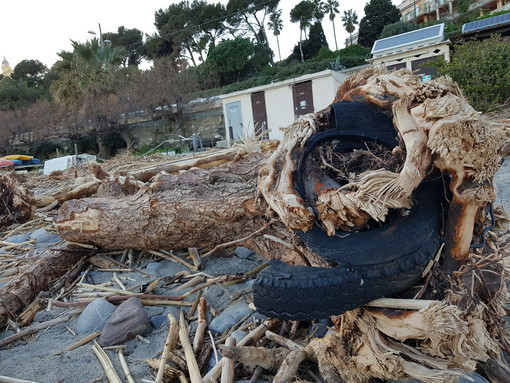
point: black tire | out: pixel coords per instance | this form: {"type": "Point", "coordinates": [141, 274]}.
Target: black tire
{"type": "Point", "coordinates": [369, 264]}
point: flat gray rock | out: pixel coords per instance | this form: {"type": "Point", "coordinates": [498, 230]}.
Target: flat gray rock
{"type": "Point", "coordinates": [243, 252]}
{"type": "Point", "coordinates": [94, 316]}
{"type": "Point", "coordinates": [230, 316]}
{"type": "Point", "coordinates": [47, 239]}
{"type": "Point", "coordinates": [129, 320]}
{"type": "Point", "coordinates": [18, 238]}
{"type": "Point", "coordinates": [36, 234]}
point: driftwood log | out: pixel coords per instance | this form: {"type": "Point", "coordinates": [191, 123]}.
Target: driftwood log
{"type": "Point", "coordinates": [251, 200]}
{"type": "Point", "coordinates": [16, 204]}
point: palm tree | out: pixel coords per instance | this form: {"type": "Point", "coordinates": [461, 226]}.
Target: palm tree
{"type": "Point", "coordinates": [275, 24]}
{"type": "Point", "coordinates": [303, 13]}
{"type": "Point", "coordinates": [331, 8]}
{"type": "Point", "coordinates": [89, 82]}
{"type": "Point", "coordinates": [86, 73]}
{"type": "Point", "coordinates": [350, 19]}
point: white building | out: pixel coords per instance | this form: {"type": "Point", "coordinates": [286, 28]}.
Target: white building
{"type": "Point", "coordinates": [270, 107]}
{"type": "Point", "coordinates": [412, 50]}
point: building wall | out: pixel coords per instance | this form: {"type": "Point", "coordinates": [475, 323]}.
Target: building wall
{"type": "Point", "coordinates": [279, 101]}
{"type": "Point", "coordinates": [422, 11]}
{"type": "Point", "coordinates": [406, 59]}
{"type": "Point", "coordinates": [280, 110]}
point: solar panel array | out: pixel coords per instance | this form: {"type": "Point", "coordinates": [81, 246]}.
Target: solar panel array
{"type": "Point", "coordinates": [490, 22]}
{"type": "Point", "coordinates": [408, 40]}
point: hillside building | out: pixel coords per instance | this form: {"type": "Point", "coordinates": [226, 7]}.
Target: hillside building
{"type": "Point", "coordinates": [6, 68]}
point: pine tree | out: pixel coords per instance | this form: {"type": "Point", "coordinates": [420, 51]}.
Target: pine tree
{"type": "Point", "coordinates": [378, 13]}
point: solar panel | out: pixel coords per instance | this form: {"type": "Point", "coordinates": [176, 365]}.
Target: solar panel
{"type": "Point", "coordinates": [408, 40]}
{"type": "Point", "coordinates": [490, 22]}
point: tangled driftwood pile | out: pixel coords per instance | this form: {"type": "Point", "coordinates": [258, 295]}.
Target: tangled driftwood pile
{"type": "Point", "coordinates": [241, 197]}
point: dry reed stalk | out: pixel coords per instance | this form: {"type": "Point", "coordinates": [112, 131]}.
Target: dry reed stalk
{"type": "Point", "coordinates": [198, 341]}
{"type": "Point", "coordinates": [125, 367]}
{"type": "Point", "coordinates": [85, 340]}
{"type": "Point", "coordinates": [227, 370]}
{"type": "Point", "coordinates": [170, 343]}
{"type": "Point", "coordinates": [108, 368]}
{"type": "Point", "coordinates": [191, 361]}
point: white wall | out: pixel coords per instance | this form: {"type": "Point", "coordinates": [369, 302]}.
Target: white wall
{"type": "Point", "coordinates": [280, 104]}
{"type": "Point", "coordinates": [324, 90]}
{"type": "Point", "coordinates": [280, 110]}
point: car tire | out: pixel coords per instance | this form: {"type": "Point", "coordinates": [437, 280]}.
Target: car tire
{"type": "Point", "coordinates": [368, 264]}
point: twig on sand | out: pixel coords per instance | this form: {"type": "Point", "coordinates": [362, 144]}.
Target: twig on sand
{"type": "Point", "coordinates": [125, 367]}
{"type": "Point", "coordinates": [191, 361]}
{"type": "Point", "coordinates": [31, 329]}
{"type": "Point", "coordinates": [110, 372]}
{"type": "Point", "coordinates": [170, 343]}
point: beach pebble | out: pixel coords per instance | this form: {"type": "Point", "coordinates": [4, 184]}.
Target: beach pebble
{"type": "Point", "coordinates": [48, 239]}
{"type": "Point", "coordinates": [230, 316]}
{"type": "Point", "coordinates": [36, 234]}
{"type": "Point", "coordinates": [213, 361]}
{"type": "Point", "coordinates": [243, 252]}
{"type": "Point", "coordinates": [18, 238]}
{"type": "Point", "coordinates": [94, 316]}
{"type": "Point", "coordinates": [238, 335]}
{"type": "Point", "coordinates": [158, 320]}
{"type": "Point", "coordinates": [129, 320]}
{"type": "Point", "coordinates": [318, 330]}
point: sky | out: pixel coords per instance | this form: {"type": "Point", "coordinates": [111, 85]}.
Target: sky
{"type": "Point", "coordinates": [38, 30]}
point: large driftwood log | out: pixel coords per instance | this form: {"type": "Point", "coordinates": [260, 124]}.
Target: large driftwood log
{"type": "Point", "coordinates": [23, 289]}
{"type": "Point", "coordinates": [197, 208]}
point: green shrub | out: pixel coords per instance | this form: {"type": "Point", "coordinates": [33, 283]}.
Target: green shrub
{"type": "Point", "coordinates": [482, 70]}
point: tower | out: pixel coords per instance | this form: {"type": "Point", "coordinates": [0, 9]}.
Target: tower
{"type": "Point", "coordinates": [6, 68]}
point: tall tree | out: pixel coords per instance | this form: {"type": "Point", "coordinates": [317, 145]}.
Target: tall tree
{"type": "Point", "coordinates": [89, 79]}
{"type": "Point", "coordinates": [132, 42]}
{"type": "Point", "coordinates": [31, 72]}
{"type": "Point", "coordinates": [331, 8]}
{"type": "Point", "coordinates": [303, 13]}
{"type": "Point", "coordinates": [378, 13]}
{"type": "Point", "coordinates": [350, 19]}
{"type": "Point", "coordinates": [233, 60]}
{"type": "Point", "coordinates": [275, 24]}
{"type": "Point", "coordinates": [251, 14]}
{"type": "Point", "coordinates": [187, 29]}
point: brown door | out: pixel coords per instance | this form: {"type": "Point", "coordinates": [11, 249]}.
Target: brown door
{"type": "Point", "coordinates": [258, 106]}
{"type": "Point", "coordinates": [303, 98]}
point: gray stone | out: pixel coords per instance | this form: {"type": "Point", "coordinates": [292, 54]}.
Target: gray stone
{"type": "Point", "coordinates": [36, 234]}
{"type": "Point", "coordinates": [154, 266]}
{"type": "Point", "coordinates": [129, 320]}
{"type": "Point", "coordinates": [318, 330]}
{"type": "Point", "coordinates": [18, 238]}
{"type": "Point", "coordinates": [213, 361]}
{"type": "Point", "coordinates": [94, 316]}
{"type": "Point", "coordinates": [230, 316]}
{"type": "Point", "coordinates": [238, 335]}
{"type": "Point", "coordinates": [243, 252]}
{"type": "Point", "coordinates": [48, 239]}
{"type": "Point", "coordinates": [158, 320]}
